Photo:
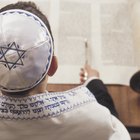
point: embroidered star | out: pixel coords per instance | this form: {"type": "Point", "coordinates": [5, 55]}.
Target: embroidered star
{"type": "Point", "coordinates": [11, 55]}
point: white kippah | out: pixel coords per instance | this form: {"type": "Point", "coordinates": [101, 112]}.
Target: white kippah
{"type": "Point", "coordinates": [26, 50]}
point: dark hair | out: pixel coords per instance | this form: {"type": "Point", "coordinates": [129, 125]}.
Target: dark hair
{"type": "Point", "coordinates": [31, 7]}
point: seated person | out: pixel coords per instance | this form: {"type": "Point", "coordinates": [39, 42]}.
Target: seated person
{"type": "Point", "coordinates": [27, 110]}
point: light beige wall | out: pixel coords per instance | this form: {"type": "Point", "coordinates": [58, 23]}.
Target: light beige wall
{"type": "Point", "coordinates": [135, 15]}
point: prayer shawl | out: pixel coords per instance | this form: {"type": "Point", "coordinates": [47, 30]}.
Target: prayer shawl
{"type": "Point", "coordinates": [71, 115]}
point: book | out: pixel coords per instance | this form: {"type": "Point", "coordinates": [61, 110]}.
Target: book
{"type": "Point", "coordinates": [109, 28]}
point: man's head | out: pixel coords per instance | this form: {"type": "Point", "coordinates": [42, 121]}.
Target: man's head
{"type": "Point", "coordinates": [30, 7]}
{"type": "Point", "coordinates": [26, 47]}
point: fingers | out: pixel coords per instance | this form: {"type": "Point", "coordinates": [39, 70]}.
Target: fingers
{"type": "Point", "coordinates": [83, 75]}
{"type": "Point", "coordinates": [82, 72]}
{"type": "Point", "coordinates": [88, 72]}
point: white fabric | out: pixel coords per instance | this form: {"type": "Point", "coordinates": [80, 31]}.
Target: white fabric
{"type": "Point", "coordinates": [70, 115]}
{"type": "Point", "coordinates": [26, 50]}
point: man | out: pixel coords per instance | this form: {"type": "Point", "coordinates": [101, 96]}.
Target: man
{"type": "Point", "coordinates": [27, 110]}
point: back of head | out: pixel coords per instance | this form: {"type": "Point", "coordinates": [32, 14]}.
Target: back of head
{"type": "Point", "coordinates": [26, 47]}
{"type": "Point", "coordinates": [30, 7]}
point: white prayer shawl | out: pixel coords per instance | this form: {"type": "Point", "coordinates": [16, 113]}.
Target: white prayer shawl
{"type": "Point", "coordinates": [69, 115]}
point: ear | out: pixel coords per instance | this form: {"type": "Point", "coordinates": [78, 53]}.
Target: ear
{"type": "Point", "coordinates": [53, 66]}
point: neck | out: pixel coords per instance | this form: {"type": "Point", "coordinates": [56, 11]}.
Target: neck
{"type": "Point", "coordinates": [41, 88]}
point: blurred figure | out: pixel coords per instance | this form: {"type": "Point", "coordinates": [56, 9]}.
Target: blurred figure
{"type": "Point", "coordinates": [135, 82]}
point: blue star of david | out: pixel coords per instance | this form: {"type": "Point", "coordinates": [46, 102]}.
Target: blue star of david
{"type": "Point", "coordinates": [11, 55]}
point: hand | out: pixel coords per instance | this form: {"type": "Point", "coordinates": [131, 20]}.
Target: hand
{"type": "Point", "coordinates": [87, 72]}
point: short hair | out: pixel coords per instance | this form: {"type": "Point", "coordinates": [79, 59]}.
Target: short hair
{"type": "Point", "coordinates": [30, 7]}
